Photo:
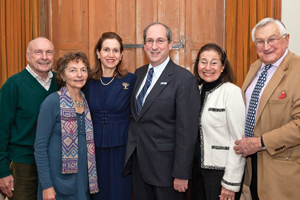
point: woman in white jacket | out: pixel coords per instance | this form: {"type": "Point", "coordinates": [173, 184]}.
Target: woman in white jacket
{"type": "Point", "coordinates": [217, 169]}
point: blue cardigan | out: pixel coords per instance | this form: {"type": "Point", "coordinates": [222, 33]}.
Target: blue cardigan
{"type": "Point", "coordinates": [48, 154]}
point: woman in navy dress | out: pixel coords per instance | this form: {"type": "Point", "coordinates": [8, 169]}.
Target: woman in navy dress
{"type": "Point", "coordinates": [108, 94]}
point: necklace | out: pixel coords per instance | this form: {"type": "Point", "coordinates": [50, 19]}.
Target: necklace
{"type": "Point", "coordinates": [78, 104]}
{"type": "Point", "coordinates": [108, 82]}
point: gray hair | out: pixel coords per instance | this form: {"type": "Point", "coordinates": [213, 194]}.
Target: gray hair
{"type": "Point", "coordinates": [28, 49]}
{"type": "Point", "coordinates": [168, 30]}
{"type": "Point", "coordinates": [266, 21]}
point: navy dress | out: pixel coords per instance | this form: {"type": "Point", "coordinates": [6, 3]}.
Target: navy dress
{"type": "Point", "coordinates": [48, 154]}
{"type": "Point", "coordinates": [110, 111]}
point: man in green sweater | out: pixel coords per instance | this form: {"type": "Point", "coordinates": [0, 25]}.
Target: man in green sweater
{"type": "Point", "coordinates": [20, 100]}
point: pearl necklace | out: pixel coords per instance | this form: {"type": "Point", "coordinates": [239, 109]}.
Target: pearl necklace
{"type": "Point", "coordinates": [108, 82]}
{"type": "Point", "coordinates": [78, 104]}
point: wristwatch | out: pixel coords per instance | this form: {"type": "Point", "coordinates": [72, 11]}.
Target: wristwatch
{"type": "Point", "coordinates": [262, 143]}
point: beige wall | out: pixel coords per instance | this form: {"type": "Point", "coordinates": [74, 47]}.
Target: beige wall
{"type": "Point", "coordinates": [290, 16]}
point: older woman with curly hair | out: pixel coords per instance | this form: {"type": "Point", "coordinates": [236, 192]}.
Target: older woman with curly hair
{"type": "Point", "coordinates": [64, 145]}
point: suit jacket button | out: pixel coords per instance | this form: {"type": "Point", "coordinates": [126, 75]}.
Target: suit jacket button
{"type": "Point", "coordinates": [134, 142]}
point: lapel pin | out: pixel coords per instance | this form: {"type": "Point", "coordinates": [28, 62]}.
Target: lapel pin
{"type": "Point", "coordinates": [125, 85]}
{"type": "Point", "coordinates": [163, 83]}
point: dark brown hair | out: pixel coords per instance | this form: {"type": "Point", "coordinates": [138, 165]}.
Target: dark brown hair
{"type": "Point", "coordinates": [97, 71]}
{"type": "Point", "coordinates": [227, 74]}
{"type": "Point", "coordinates": [63, 62]}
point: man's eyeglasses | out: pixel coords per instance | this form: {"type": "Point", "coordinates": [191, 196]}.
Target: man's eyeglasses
{"type": "Point", "coordinates": [158, 41]}
{"type": "Point", "coordinates": [271, 41]}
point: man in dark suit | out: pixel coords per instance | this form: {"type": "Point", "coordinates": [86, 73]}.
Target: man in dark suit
{"type": "Point", "coordinates": [164, 125]}
{"type": "Point", "coordinates": [272, 94]}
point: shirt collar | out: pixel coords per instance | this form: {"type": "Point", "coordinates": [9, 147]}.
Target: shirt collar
{"type": "Point", "coordinates": [158, 69]}
{"type": "Point", "coordinates": [29, 69]}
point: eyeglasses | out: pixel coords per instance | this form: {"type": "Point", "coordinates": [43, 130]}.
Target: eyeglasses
{"type": "Point", "coordinates": [271, 41]}
{"type": "Point", "coordinates": [158, 41]}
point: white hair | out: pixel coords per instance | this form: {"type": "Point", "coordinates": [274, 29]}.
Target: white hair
{"type": "Point", "coordinates": [266, 21]}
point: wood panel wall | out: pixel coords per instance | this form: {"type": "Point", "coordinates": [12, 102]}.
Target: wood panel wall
{"type": "Point", "coordinates": [77, 25]}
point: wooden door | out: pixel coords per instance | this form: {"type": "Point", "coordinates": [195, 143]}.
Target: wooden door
{"type": "Point", "coordinates": [77, 25]}
{"type": "Point", "coordinates": [67, 26]}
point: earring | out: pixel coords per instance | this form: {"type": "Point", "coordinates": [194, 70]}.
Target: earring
{"type": "Point", "coordinates": [64, 80]}
{"type": "Point", "coordinates": [221, 70]}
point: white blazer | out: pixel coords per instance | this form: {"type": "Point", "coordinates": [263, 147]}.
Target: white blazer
{"type": "Point", "coordinates": [222, 122]}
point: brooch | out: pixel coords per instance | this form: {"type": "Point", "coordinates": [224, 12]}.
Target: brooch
{"type": "Point", "coordinates": [125, 85]}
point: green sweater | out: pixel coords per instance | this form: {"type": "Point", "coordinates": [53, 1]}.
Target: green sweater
{"type": "Point", "coordinates": [20, 100]}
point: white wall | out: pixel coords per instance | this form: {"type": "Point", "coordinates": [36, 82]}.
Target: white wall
{"type": "Point", "coordinates": [290, 16]}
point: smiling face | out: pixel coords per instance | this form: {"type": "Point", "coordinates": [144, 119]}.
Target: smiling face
{"type": "Point", "coordinates": [75, 74]}
{"type": "Point", "coordinates": [110, 54]}
{"type": "Point", "coordinates": [210, 65]}
{"type": "Point", "coordinates": [271, 54]}
{"type": "Point", "coordinates": [157, 53]}
{"type": "Point", "coordinates": [40, 56]}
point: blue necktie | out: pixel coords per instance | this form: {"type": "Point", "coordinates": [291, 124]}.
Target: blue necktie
{"type": "Point", "coordinates": [140, 97]}
{"type": "Point", "coordinates": [250, 119]}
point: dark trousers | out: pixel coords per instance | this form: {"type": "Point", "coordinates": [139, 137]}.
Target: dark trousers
{"type": "Point", "coordinates": [206, 183]}
{"type": "Point", "coordinates": [145, 191]}
{"type": "Point", "coordinates": [25, 181]}
{"type": "Point", "coordinates": [253, 185]}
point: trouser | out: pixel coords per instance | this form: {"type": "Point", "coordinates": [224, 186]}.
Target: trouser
{"type": "Point", "coordinates": [145, 191]}
{"type": "Point", "coordinates": [25, 181]}
{"type": "Point", "coordinates": [253, 185]}
{"type": "Point", "coordinates": [206, 183]}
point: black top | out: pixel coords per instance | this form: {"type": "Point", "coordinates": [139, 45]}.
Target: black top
{"type": "Point", "coordinates": [208, 86]}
